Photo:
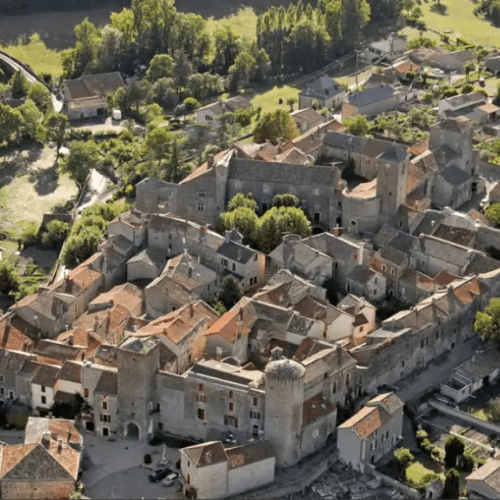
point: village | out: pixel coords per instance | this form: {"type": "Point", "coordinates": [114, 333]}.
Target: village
{"type": "Point", "coordinates": [309, 311]}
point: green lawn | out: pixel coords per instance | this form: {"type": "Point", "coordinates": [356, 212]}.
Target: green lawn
{"type": "Point", "coordinates": [243, 23]}
{"type": "Point", "coordinates": [269, 101]}
{"type": "Point", "coordinates": [36, 55]}
{"type": "Point", "coordinates": [459, 18]}
{"type": "Point", "coordinates": [480, 415]}
{"type": "Point", "coordinates": [416, 472]}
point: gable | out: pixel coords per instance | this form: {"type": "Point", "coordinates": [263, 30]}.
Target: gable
{"type": "Point", "coordinates": [37, 465]}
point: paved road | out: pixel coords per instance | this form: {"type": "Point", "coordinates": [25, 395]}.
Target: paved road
{"type": "Point", "coordinates": [57, 104]}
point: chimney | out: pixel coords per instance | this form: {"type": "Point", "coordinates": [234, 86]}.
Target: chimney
{"type": "Point", "coordinates": [70, 339]}
{"type": "Point", "coordinates": [190, 271]}
{"type": "Point", "coordinates": [191, 310]}
{"type": "Point", "coordinates": [239, 323]}
{"type": "Point", "coordinates": [59, 445]}
{"type": "Point", "coordinates": [240, 254]}
{"type": "Point", "coordinates": [96, 323]}
{"type": "Point", "coordinates": [46, 440]}
{"type": "Point", "coordinates": [210, 161]}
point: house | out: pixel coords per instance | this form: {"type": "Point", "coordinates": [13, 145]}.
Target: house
{"type": "Point", "coordinates": [375, 100]}
{"type": "Point", "coordinates": [69, 381]}
{"type": "Point", "coordinates": [450, 61]}
{"type": "Point", "coordinates": [474, 106]}
{"type": "Point", "coordinates": [389, 49]}
{"type": "Point", "coordinates": [45, 468]}
{"type": "Point", "coordinates": [372, 432]}
{"type": "Point", "coordinates": [85, 97]}
{"type": "Point", "coordinates": [105, 405]}
{"type": "Point", "coordinates": [484, 482]}
{"type": "Point", "coordinates": [182, 331]}
{"type": "Point", "coordinates": [306, 119]}
{"type": "Point", "coordinates": [366, 282]}
{"type": "Point", "coordinates": [147, 264]}
{"type": "Point", "coordinates": [184, 279]}
{"type": "Point", "coordinates": [58, 428]}
{"type": "Point", "coordinates": [43, 388]}
{"type": "Point", "coordinates": [211, 471]}
{"type": "Point", "coordinates": [492, 62]}
{"type": "Point", "coordinates": [211, 112]}
{"type": "Point", "coordinates": [132, 225]}
{"type": "Point", "coordinates": [399, 69]}
{"type": "Point", "coordinates": [325, 90]}
{"type": "Point", "coordinates": [482, 369]}
{"type": "Point", "coordinates": [11, 363]}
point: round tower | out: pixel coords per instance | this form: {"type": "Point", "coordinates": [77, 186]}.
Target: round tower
{"type": "Point", "coordinates": [284, 404]}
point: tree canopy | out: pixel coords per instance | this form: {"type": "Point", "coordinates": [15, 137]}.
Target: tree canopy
{"type": "Point", "coordinates": [275, 125]}
{"type": "Point", "coordinates": [487, 322]}
{"type": "Point", "coordinates": [83, 157]}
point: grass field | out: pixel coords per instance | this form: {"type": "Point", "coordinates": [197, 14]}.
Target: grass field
{"type": "Point", "coordinates": [36, 55]}
{"type": "Point", "coordinates": [269, 101]}
{"type": "Point", "coordinates": [458, 17]}
{"type": "Point", "coordinates": [416, 472]}
{"type": "Point", "coordinates": [243, 23]}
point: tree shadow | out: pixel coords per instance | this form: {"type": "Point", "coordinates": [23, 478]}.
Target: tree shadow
{"type": "Point", "coordinates": [45, 181]}
{"type": "Point", "coordinates": [16, 161]}
{"type": "Point", "coordinates": [439, 8]}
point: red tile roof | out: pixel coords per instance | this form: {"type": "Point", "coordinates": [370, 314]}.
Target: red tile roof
{"type": "Point", "coordinates": [227, 325]}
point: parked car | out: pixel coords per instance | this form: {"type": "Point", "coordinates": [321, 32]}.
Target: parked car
{"type": "Point", "coordinates": [159, 474]}
{"type": "Point", "coordinates": [170, 479]}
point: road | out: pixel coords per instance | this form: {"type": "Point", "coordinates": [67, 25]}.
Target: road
{"type": "Point", "coordinates": [96, 191]}
{"type": "Point", "coordinates": [57, 104]}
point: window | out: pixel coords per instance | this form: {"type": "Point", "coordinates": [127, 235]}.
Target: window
{"type": "Point", "coordinates": [106, 418]}
{"type": "Point", "coordinates": [316, 217]}
{"type": "Point", "coordinates": [44, 400]}
{"type": "Point", "coordinates": [403, 363]}
{"type": "Point", "coordinates": [231, 406]}
{"type": "Point", "coordinates": [160, 426]}
{"type": "Point", "coordinates": [201, 193]}
{"type": "Point", "coordinates": [201, 414]}
{"type": "Point", "coordinates": [201, 398]}
{"type": "Point", "coordinates": [361, 328]}
{"type": "Point", "coordinates": [334, 387]}
{"type": "Point", "coordinates": [255, 401]}
{"type": "Point", "coordinates": [201, 387]}
{"type": "Point", "coordinates": [255, 415]}
{"type": "Point", "coordinates": [234, 266]}
{"type": "Point", "coordinates": [255, 430]}
{"type": "Point", "coordinates": [2, 391]}
{"type": "Point", "coordinates": [347, 378]}
{"type": "Point", "coordinates": [231, 394]}
{"type": "Point", "coordinates": [383, 267]}
{"type": "Point", "coordinates": [188, 479]}
{"type": "Point", "coordinates": [105, 431]}
{"type": "Point", "coordinates": [224, 262]}
{"type": "Point", "coordinates": [422, 343]}
{"type": "Point", "coordinates": [11, 394]}
{"type": "Point", "coordinates": [392, 272]}
{"type": "Point", "coordinates": [255, 257]}
{"type": "Point", "coordinates": [230, 420]}
{"type": "Point", "coordinates": [201, 207]}
{"type": "Point", "coordinates": [43, 388]}
{"type": "Point", "coordinates": [2, 378]}
{"type": "Point", "coordinates": [104, 405]}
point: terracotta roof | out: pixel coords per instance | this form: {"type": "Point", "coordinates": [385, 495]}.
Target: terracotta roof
{"type": "Point", "coordinates": [443, 278]}
{"type": "Point", "coordinates": [127, 295]}
{"type": "Point", "coordinates": [10, 337]}
{"type": "Point", "coordinates": [489, 108]}
{"type": "Point", "coordinates": [206, 453]}
{"type": "Point", "coordinates": [315, 408]}
{"type": "Point", "coordinates": [204, 168]}
{"type": "Point", "coordinates": [227, 325]}
{"type": "Point", "coordinates": [46, 375]}
{"type": "Point", "coordinates": [59, 428]}
{"type": "Point", "coordinates": [404, 66]}
{"type": "Point", "coordinates": [477, 216]}
{"type": "Point", "coordinates": [389, 400]}
{"type": "Point", "coordinates": [71, 372]}
{"type": "Point", "coordinates": [56, 350]}
{"type": "Point", "coordinates": [310, 347]}
{"type": "Point", "coordinates": [457, 235]}
{"type": "Point", "coordinates": [367, 420]}
{"type": "Point", "coordinates": [363, 190]}
{"type": "Point", "coordinates": [414, 178]}
{"type": "Point", "coordinates": [249, 453]}
{"type": "Point", "coordinates": [86, 340]}
{"type": "Point", "coordinates": [108, 383]}
{"type": "Point", "coordinates": [419, 148]}
{"type": "Point", "coordinates": [36, 462]}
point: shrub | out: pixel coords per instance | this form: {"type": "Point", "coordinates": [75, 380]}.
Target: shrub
{"type": "Point", "coordinates": [18, 416]}
{"type": "Point", "coordinates": [30, 234]}
{"type": "Point", "coordinates": [147, 459]}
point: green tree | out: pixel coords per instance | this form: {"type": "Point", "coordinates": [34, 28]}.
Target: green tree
{"type": "Point", "coordinates": [242, 201]}
{"type": "Point", "coordinates": [244, 220]}
{"type": "Point", "coordinates": [227, 47]}
{"type": "Point", "coordinates": [108, 49]}
{"type": "Point", "coordinates": [158, 142]}
{"type": "Point", "coordinates": [55, 233]}
{"type": "Point", "coordinates": [356, 17]}
{"type": "Point", "coordinates": [40, 95]}
{"type": "Point", "coordinates": [88, 38]}
{"type": "Point", "coordinates": [275, 125]}
{"type": "Point", "coordinates": [240, 72]}
{"type": "Point", "coordinates": [403, 457]}
{"type": "Point", "coordinates": [469, 66]}
{"type": "Point", "coordinates": [278, 221]}
{"type": "Point", "coordinates": [453, 447]}
{"type": "Point", "coordinates": [32, 117]}
{"type": "Point", "coordinates": [230, 292]}
{"type": "Point", "coordinates": [9, 279]}
{"type": "Point", "coordinates": [487, 322]}
{"type": "Point", "coordinates": [161, 66]}
{"type": "Point", "coordinates": [19, 85]}
{"type": "Point", "coordinates": [494, 410]}
{"type": "Point", "coordinates": [451, 484]}
{"type": "Point", "coordinates": [493, 213]}
{"type": "Point", "coordinates": [11, 124]}
{"type": "Point", "coordinates": [56, 125]}
{"type": "Point", "coordinates": [334, 15]}
{"type": "Point", "coordinates": [83, 157]}
{"type": "Point", "coordinates": [286, 200]}
{"type": "Point", "coordinates": [357, 125]}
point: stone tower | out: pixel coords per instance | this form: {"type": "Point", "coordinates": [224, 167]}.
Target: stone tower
{"type": "Point", "coordinates": [284, 406]}
{"type": "Point", "coordinates": [392, 176]}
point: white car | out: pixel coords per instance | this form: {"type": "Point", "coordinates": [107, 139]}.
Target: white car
{"type": "Point", "coordinates": [170, 479]}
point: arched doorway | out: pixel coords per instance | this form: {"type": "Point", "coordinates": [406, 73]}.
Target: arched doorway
{"type": "Point", "coordinates": [132, 431]}
{"type": "Point", "coordinates": [317, 230]}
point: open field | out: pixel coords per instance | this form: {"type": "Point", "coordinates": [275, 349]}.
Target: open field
{"type": "Point", "coordinates": [36, 55]}
{"type": "Point", "coordinates": [243, 23]}
{"type": "Point", "coordinates": [270, 99]}
{"type": "Point", "coordinates": [459, 17]}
